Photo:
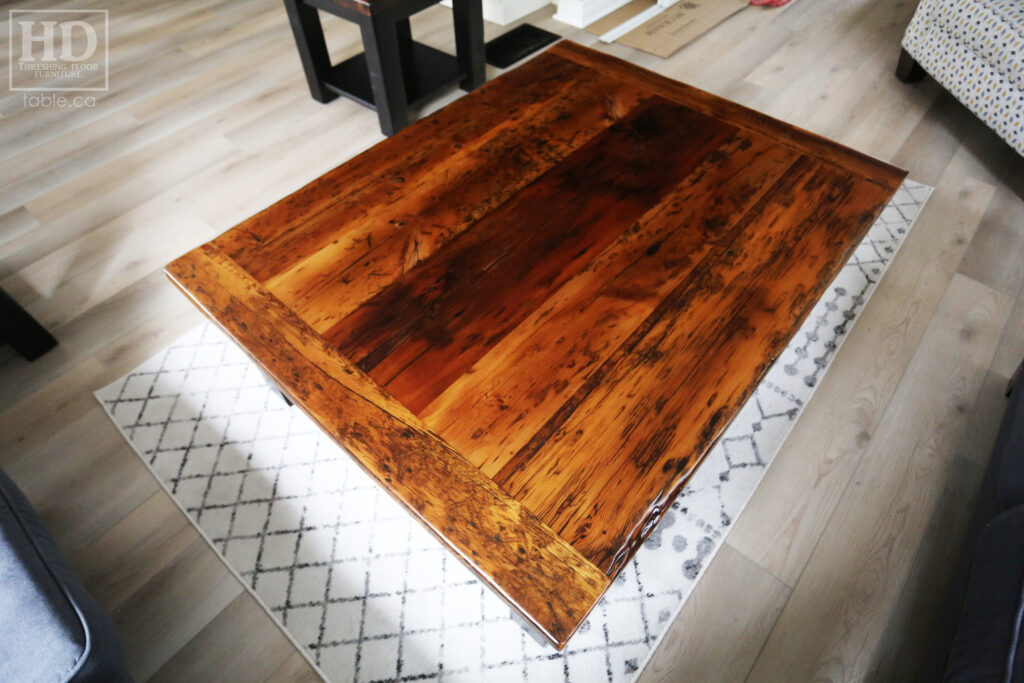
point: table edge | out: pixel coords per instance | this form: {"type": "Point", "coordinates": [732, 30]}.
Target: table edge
{"type": "Point", "coordinates": [801, 139]}
{"type": "Point", "coordinates": [519, 546]}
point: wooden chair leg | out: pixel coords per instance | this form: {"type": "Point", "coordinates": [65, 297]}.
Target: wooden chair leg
{"type": "Point", "coordinates": [469, 42]}
{"type": "Point", "coordinates": [907, 69]}
{"type": "Point", "coordinates": [309, 38]}
{"type": "Point", "coordinates": [384, 61]}
{"type": "Point", "coordinates": [20, 330]}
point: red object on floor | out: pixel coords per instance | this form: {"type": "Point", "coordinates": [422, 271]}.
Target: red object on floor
{"type": "Point", "coordinates": [769, 3]}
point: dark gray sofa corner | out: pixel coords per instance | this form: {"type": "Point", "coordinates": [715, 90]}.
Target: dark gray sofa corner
{"type": "Point", "coordinates": [988, 643]}
{"type": "Point", "coordinates": [50, 628]}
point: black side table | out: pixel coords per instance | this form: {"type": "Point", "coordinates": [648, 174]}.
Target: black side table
{"type": "Point", "coordinates": [21, 331]}
{"type": "Point", "coordinates": [395, 72]}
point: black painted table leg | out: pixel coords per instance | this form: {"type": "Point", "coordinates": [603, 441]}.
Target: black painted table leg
{"type": "Point", "coordinates": [404, 33]}
{"type": "Point", "coordinates": [907, 69]}
{"type": "Point", "coordinates": [21, 330]}
{"type": "Point", "coordinates": [469, 41]}
{"type": "Point", "coordinates": [309, 39]}
{"type": "Point", "coordinates": [384, 62]}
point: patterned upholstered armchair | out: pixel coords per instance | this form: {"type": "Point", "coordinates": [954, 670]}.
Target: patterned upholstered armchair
{"type": "Point", "coordinates": [974, 49]}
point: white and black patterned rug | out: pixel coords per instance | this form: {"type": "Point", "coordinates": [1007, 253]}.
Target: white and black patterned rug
{"type": "Point", "coordinates": [370, 594]}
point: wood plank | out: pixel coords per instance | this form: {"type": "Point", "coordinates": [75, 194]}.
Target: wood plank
{"type": "Point", "coordinates": [918, 628]}
{"type": "Point", "coordinates": [29, 420]}
{"type": "Point", "coordinates": [525, 563]}
{"type": "Point", "coordinates": [163, 67]}
{"type": "Point", "coordinates": [882, 130]}
{"type": "Point", "coordinates": [101, 499]}
{"type": "Point", "coordinates": [85, 335]}
{"type": "Point", "coordinates": [72, 280]}
{"type": "Point", "coordinates": [720, 631]}
{"type": "Point", "coordinates": [815, 31]}
{"type": "Point", "coordinates": [928, 150]}
{"type": "Point", "coordinates": [429, 205]}
{"type": "Point", "coordinates": [423, 332]}
{"type": "Point", "coordinates": [134, 550]}
{"type": "Point", "coordinates": [736, 114]}
{"type": "Point", "coordinates": [595, 311]}
{"type": "Point", "coordinates": [213, 655]}
{"type": "Point", "coordinates": [843, 73]}
{"type": "Point", "coordinates": [666, 395]}
{"type": "Point", "coordinates": [16, 223]}
{"type": "Point", "coordinates": [722, 58]}
{"type": "Point", "coordinates": [295, 669]}
{"type": "Point", "coordinates": [184, 122]}
{"type": "Point", "coordinates": [396, 235]}
{"type": "Point", "coordinates": [822, 451]}
{"type": "Point", "coordinates": [278, 116]}
{"type": "Point", "coordinates": [896, 496]}
{"type": "Point", "coordinates": [29, 128]}
{"type": "Point", "coordinates": [51, 155]}
{"type": "Point", "coordinates": [240, 29]}
{"type": "Point", "coordinates": [369, 180]}
{"type": "Point", "coordinates": [164, 615]}
{"type": "Point", "coordinates": [1011, 347]}
{"type": "Point", "coordinates": [143, 174]}
{"type": "Point", "coordinates": [997, 251]}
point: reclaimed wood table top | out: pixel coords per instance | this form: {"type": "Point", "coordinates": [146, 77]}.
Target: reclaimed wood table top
{"type": "Point", "coordinates": [530, 315]}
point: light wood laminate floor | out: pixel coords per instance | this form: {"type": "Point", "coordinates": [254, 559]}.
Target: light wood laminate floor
{"type": "Point", "coordinates": [838, 568]}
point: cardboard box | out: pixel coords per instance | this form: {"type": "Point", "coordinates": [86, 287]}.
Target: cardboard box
{"type": "Point", "coordinates": [673, 28]}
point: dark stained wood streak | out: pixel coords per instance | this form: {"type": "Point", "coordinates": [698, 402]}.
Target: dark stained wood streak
{"type": "Point", "coordinates": [281, 235]}
{"type": "Point", "coordinates": [431, 325]}
{"type": "Point", "coordinates": [829, 151]}
{"type": "Point", "coordinates": [663, 400]}
{"type": "Point", "coordinates": [699, 273]}
{"type": "Point", "coordinates": [392, 236]}
{"type": "Point", "coordinates": [530, 315]}
{"type": "Point", "coordinates": [567, 339]}
{"type": "Point", "coordinates": [532, 568]}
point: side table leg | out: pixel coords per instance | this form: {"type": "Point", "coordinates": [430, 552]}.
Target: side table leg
{"type": "Point", "coordinates": [383, 59]}
{"type": "Point", "coordinates": [21, 331]}
{"type": "Point", "coordinates": [309, 39]}
{"type": "Point", "coordinates": [469, 42]}
{"type": "Point", "coordinates": [404, 32]}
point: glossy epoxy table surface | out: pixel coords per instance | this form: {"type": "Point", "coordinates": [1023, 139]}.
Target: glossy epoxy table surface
{"type": "Point", "coordinates": [530, 315]}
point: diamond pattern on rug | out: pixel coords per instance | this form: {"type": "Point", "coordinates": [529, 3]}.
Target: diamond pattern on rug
{"type": "Point", "coordinates": [370, 594]}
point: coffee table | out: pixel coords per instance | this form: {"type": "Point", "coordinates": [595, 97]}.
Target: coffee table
{"type": "Point", "coordinates": [530, 315]}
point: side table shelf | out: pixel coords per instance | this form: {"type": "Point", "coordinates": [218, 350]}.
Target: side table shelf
{"type": "Point", "coordinates": [429, 72]}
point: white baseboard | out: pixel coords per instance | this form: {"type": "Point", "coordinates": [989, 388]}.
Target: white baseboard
{"type": "Point", "coordinates": [583, 13]}
{"type": "Point", "coordinates": [504, 12]}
